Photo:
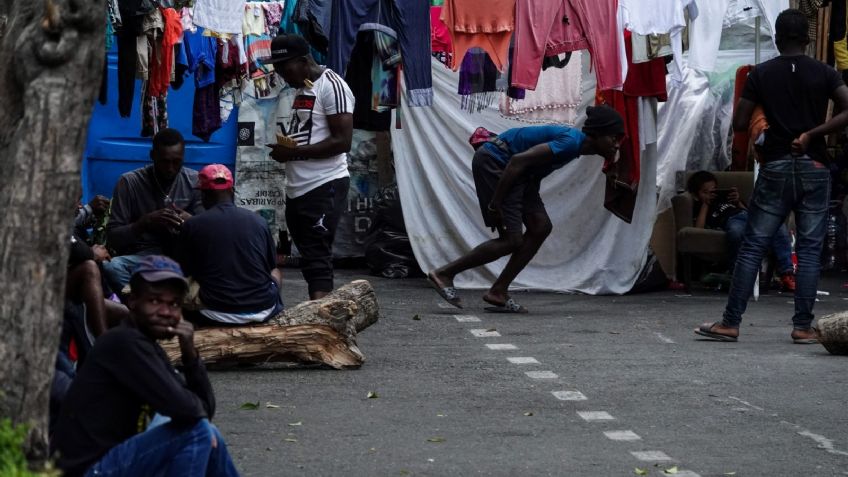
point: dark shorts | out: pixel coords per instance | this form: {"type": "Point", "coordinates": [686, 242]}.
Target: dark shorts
{"type": "Point", "coordinates": [521, 201]}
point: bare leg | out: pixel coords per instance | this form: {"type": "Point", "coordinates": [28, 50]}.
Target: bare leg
{"type": "Point", "coordinates": [538, 228]}
{"type": "Point", "coordinates": [84, 284]}
{"type": "Point", "coordinates": [486, 252]}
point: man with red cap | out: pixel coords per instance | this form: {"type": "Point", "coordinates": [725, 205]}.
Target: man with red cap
{"type": "Point", "coordinates": [230, 253]}
{"type": "Point", "coordinates": [508, 169]}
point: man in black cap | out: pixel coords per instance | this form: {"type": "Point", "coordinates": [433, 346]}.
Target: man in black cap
{"type": "Point", "coordinates": [103, 426]}
{"type": "Point", "coordinates": [508, 169]}
{"type": "Point", "coordinates": [314, 148]}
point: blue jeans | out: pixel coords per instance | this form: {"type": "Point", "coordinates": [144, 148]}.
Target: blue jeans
{"type": "Point", "coordinates": [789, 184]}
{"type": "Point", "coordinates": [119, 270]}
{"type": "Point", "coordinates": [781, 243]}
{"type": "Point", "coordinates": [168, 451]}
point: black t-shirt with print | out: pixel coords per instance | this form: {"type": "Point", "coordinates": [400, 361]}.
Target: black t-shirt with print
{"type": "Point", "coordinates": [794, 93]}
{"type": "Point", "coordinates": [717, 214]}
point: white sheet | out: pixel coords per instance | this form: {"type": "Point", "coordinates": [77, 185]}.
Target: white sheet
{"type": "Point", "coordinates": [589, 251]}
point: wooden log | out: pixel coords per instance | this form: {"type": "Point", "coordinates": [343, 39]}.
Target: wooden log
{"type": "Point", "coordinates": [313, 332]}
{"type": "Point", "coordinates": [833, 331]}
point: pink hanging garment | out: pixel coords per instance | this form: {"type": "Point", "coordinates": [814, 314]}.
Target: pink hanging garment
{"type": "Point", "coordinates": [556, 98]}
{"type": "Point", "coordinates": [549, 27]}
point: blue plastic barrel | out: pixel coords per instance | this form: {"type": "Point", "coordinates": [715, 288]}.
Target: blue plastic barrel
{"type": "Point", "coordinates": [115, 146]}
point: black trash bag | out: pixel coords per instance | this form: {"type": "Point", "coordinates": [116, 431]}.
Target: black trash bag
{"type": "Point", "coordinates": [388, 252]}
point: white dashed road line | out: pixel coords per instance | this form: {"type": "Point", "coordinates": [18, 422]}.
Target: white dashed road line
{"type": "Point", "coordinates": [590, 416]}
{"type": "Point", "coordinates": [541, 374]}
{"type": "Point", "coordinates": [664, 338]}
{"type": "Point", "coordinates": [622, 435]}
{"type": "Point", "coordinates": [466, 318]}
{"type": "Point", "coordinates": [501, 346]}
{"type": "Point", "coordinates": [523, 360]}
{"type": "Point", "coordinates": [483, 333]}
{"type": "Point", "coordinates": [569, 395]}
{"type": "Point", "coordinates": [651, 456]}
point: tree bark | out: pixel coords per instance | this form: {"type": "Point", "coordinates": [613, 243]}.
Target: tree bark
{"type": "Point", "coordinates": [51, 62]}
{"type": "Point", "coordinates": [313, 332]}
{"type": "Point", "coordinates": [834, 333]}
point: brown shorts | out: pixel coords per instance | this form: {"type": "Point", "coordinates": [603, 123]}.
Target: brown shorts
{"type": "Point", "coordinates": [521, 201]}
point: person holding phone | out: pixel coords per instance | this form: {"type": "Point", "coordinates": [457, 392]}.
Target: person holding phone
{"type": "Point", "coordinates": [149, 206]}
{"type": "Point", "coordinates": [723, 209]}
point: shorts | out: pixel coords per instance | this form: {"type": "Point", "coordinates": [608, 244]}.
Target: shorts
{"type": "Point", "coordinates": [521, 201]}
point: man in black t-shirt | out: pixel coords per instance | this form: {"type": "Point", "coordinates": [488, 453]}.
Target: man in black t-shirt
{"type": "Point", "coordinates": [793, 91]}
{"type": "Point", "coordinates": [230, 252]}
{"type": "Point", "coordinates": [127, 379]}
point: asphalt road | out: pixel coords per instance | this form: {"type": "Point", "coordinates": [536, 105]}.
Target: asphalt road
{"type": "Point", "coordinates": [449, 405]}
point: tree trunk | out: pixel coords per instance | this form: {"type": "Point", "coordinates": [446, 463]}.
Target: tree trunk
{"type": "Point", "coordinates": [51, 62]}
{"type": "Point", "coordinates": [834, 333]}
{"type": "Point", "coordinates": [314, 332]}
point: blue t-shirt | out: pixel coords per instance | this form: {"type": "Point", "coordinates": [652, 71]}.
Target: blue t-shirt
{"type": "Point", "coordinates": [565, 142]}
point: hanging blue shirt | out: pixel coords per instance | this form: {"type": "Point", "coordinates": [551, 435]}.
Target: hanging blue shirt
{"type": "Point", "coordinates": [565, 142]}
{"type": "Point", "coordinates": [200, 54]}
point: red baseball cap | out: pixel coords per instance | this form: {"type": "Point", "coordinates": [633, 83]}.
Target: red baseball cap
{"type": "Point", "coordinates": [215, 177]}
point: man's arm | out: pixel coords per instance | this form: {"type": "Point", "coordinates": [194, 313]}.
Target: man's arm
{"type": "Point", "coordinates": [120, 234]}
{"type": "Point", "coordinates": [143, 369]}
{"type": "Point", "coordinates": [742, 114]}
{"type": "Point", "coordinates": [341, 136]}
{"type": "Point", "coordinates": [836, 123]}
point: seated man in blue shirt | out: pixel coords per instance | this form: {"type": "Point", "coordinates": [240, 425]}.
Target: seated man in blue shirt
{"type": "Point", "coordinates": [508, 170]}
{"type": "Point", "coordinates": [230, 253]}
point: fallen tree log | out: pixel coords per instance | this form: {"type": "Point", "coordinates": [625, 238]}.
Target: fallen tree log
{"type": "Point", "coordinates": [313, 332]}
{"type": "Point", "coordinates": [833, 330]}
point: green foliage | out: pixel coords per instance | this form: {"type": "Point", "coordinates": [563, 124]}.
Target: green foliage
{"type": "Point", "coordinates": [12, 460]}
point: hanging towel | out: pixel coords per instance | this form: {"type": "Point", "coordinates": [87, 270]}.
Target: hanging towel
{"type": "Point", "coordinates": [219, 16]}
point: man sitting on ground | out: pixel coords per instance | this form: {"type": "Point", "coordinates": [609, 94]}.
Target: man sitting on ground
{"type": "Point", "coordinates": [230, 252]}
{"type": "Point", "coordinates": [127, 378]}
{"type": "Point", "coordinates": [149, 206]}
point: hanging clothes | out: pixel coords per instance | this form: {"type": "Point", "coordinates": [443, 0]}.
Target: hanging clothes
{"type": "Point", "coordinates": [657, 17]}
{"type": "Point", "coordinates": [486, 24]}
{"type": "Point", "coordinates": [440, 38]}
{"type": "Point", "coordinates": [313, 18]}
{"type": "Point", "coordinates": [705, 29]}
{"type": "Point", "coordinates": [478, 77]}
{"type": "Point", "coordinates": [219, 16]}
{"type": "Point", "coordinates": [650, 47]}
{"type": "Point", "coordinates": [644, 79]}
{"type": "Point", "coordinates": [556, 98]}
{"type": "Point", "coordinates": [201, 52]}
{"type": "Point", "coordinates": [359, 79]}
{"type": "Point", "coordinates": [408, 20]}
{"type": "Point", "coordinates": [810, 9]}
{"type": "Point", "coordinates": [253, 19]}
{"type": "Point", "coordinates": [131, 12]}
{"type": "Point", "coordinates": [273, 16]}
{"type": "Point", "coordinates": [162, 68]}
{"type": "Point", "coordinates": [546, 28]}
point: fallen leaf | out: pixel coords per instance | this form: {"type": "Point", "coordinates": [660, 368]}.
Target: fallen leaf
{"type": "Point", "coordinates": [271, 406]}
{"type": "Point", "coordinates": [436, 439]}
{"type": "Point", "coordinates": [416, 318]}
{"type": "Point", "coordinates": [268, 448]}
{"type": "Point", "coordinates": [730, 473]}
{"type": "Point", "coordinates": [440, 415]}
{"type": "Point", "coordinates": [373, 449]}
{"type": "Point", "coordinates": [615, 332]}
{"type": "Point", "coordinates": [298, 423]}
{"type": "Point", "coordinates": [528, 413]}
{"type": "Point", "coordinates": [250, 406]}
{"type": "Point", "coordinates": [670, 470]}
{"type": "Point", "coordinates": [371, 395]}
{"type": "Point", "coordinates": [639, 471]}
{"type": "Point", "coordinates": [290, 439]}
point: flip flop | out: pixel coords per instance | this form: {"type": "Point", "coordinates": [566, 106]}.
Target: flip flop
{"type": "Point", "coordinates": [807, 340]}
{"type": "Point", "coordinates": [706, 330]}
{"type": "Point", "coordinates": [511, 306]}
{"type": "Point", "coordinates": [447, 293]}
